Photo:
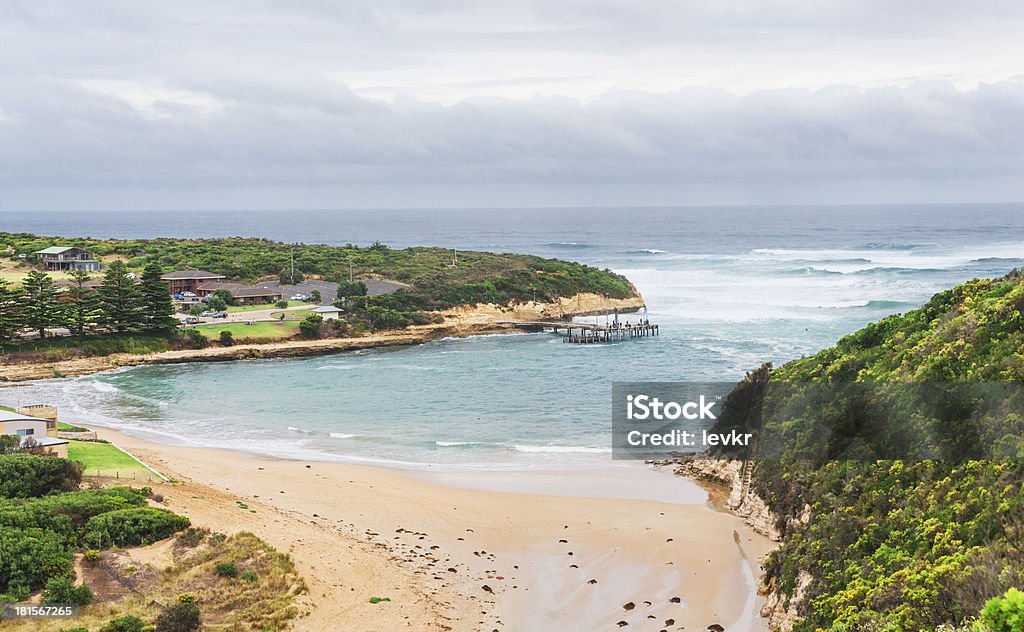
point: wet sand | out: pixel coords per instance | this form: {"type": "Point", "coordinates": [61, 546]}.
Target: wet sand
{"type": "Point", "coordinates": [576, 550]}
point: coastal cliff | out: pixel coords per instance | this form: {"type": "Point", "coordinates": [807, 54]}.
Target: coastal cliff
{"type": "Point", "coordinates": [778, 610]}
{"type": "Point", "coordinates": [892, 541]}
{"type": "Point", "coordinates": [480, 319]}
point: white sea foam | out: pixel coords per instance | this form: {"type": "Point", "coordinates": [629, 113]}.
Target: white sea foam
{"type": "Point", "coordinates": [563, 449]}
{"type": "Point", "coordinates": [342, 435]}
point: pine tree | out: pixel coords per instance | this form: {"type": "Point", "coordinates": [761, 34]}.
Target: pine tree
{"type": "Point", "coordinates": [82, 304]}
{"type": "Point", "coordinates": [157, 307]}
{"type": "Point", "coordinates": [120, 299]}
{"type": "Point", "coordinates": [12, 318]}
{"type": "Point", "coordinates": [42, 305]}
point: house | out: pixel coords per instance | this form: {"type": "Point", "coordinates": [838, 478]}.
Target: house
{"type": "Point", "coordinates": [181, 281]}
{"type": "Point", "coordinates": [66, 258]}
{"type": "Point", "coordinates": [328, 312]}
{"type": "Point", "coordinates": [43, 431]}
{"type": "Point", "coordinates": [243, 294]}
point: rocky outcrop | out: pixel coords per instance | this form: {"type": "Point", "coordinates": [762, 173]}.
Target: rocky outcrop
{"type": "Point", "coordinates": [741, 501]}
{"type": "Point", "coordinates": [779, 610]}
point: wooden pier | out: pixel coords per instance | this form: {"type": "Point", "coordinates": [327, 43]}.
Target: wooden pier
{"type": "Point", "coordinates": [589, 333]}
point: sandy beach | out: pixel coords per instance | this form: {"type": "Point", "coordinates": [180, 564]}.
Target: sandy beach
{"type": "Point", "coordinates": [451, 553]}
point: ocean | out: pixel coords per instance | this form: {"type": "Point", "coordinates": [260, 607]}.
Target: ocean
{"type": "Point", "coordinates": [731, 288]}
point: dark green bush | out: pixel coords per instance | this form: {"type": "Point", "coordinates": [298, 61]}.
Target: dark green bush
{"type": "Point", "coordinates": [66, 514]}
{"type": "Point", "coordinates": [29, 557]}
{"type": "Point", "coordinates": [132, 527]}
{"type": "Point", "coordinates": [310, 326]}
{"type": "Point", "coordinates": [249, 576]}
{"type": "Point", "coordinates": [63, 590]}
{"type": "Point", "coordinates": [195, 339]}
{"type": "Point", "coordinates": [226, 569]}
{"type": "Point", "coordinates": [180, 617]}
{"type": "Point", "coordinates": [25, 475]}
{"type": "Point", "coordinates": [126, 623]}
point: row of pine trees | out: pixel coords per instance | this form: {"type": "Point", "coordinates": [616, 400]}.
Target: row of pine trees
{"type": "Point", "coordinates": [121, 304]}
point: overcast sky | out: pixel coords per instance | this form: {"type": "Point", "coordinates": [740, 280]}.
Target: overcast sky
{"type": "Point", "coordinates": [319, 104]}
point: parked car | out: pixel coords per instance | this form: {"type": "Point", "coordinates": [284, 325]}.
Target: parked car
{"type": "Point", "coordinates": [190, 320]}
{"type": "Point", "coordinates": [207, 314]}
{"type": "Point", "coordinates": [179, 297]}
{"type": "Point", "coordinates": [189, 294]}
{"type": "Point", "coordinates": [298, 297]}
{"type": "Point", "coordinates": [220, 314]}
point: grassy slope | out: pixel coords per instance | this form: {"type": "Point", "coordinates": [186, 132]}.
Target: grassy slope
{"type": "Point", "coordinates": [267, 602]}
{"type": "Point", "coordinates": [901, 545]}
{"type": "Point", "coordinates": [107, 460]}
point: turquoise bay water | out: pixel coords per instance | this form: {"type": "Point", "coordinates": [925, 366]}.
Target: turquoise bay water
{"type": "Point", "coordinates": [731, 288]}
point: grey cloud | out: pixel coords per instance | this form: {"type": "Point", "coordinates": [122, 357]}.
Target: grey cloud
{"type": "Point", "coordinates": [324, 134]}
{"type": "Point", "coordinates": [229, 100]}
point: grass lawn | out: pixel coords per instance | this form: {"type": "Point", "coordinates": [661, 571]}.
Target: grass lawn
{"type": "Point", "coordinates": [256, 330]}
{"type": "Point", "coordinates": [298, 314]}
{"type": "Point", "coordinates": [233, 309]}
{"type": "Point", "coordinates": [104, 459]}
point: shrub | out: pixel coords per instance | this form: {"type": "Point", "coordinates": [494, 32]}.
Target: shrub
{"type": "Point", "coordinates": [1006, 613]}
{"type": "Point", "coordinates": [249, 576]}
{"type": "Point", "coordinates": [26, 475]}
{"type": "Point", "coordinates": [127, 623]}
{"type": "Point", "coordinates": [180, 617]}
{"type": "Point", "coordinates": [133, 527]}
{"type": "Point", "coordinates": [226, 569]}
{"type": "Point", "coordinates": [91, 557]}
{"type": "Point", "coordinates": [192, 537]}
{"type": "Point", "coordinates": [310, 326]}
{"type": "Point", "coordinates": [63, 590]}
{"type": "Point", "coordinates": [227, 338]}
{"type": "Point", "coordinates": [281, 304]}
{"type": "Point", "coordinates": [195, 339]}
{"type": "Point", "coordinates": [217, 304]}
{"type": "Point", "coordinates": [28, 557]}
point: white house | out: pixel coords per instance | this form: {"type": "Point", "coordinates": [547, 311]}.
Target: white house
{"type": "Point", "coordinates": [44, 431]}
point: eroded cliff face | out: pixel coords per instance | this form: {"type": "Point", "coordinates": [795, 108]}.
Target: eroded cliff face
{"type": "Point", "coordinates": [584, 304]}
{"type": "Point", "coordinates": [779, 610]}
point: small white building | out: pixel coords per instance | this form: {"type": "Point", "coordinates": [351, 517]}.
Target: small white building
{"type": "Point", "coordinates": [43, 431]}
{"type": "Point", "coordinates": [329, 312]}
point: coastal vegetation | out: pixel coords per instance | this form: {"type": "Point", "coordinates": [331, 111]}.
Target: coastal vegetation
{"type": "Point", "coordinates": [897, 544]}
{"type": "Point", "coordinates": [47, 521]}
{"type": "Point", "coordinates": [128, 307]}
{"type": "Point", "coordinates": [435, 280]}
